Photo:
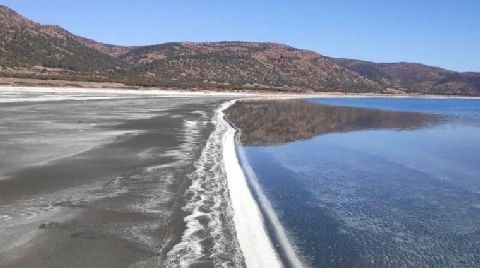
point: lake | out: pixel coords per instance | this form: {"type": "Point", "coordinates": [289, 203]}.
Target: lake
{"type": "Point", "coordinates": [365, 182]}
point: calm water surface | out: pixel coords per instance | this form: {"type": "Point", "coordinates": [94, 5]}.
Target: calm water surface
{"type": "Point", "coordinates": [370, 182]}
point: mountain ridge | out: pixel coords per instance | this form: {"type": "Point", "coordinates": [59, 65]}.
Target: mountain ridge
{"type": "Point", "coordinates": [32, 50]}
{"type": "Point", "coordinates": [415, 77]}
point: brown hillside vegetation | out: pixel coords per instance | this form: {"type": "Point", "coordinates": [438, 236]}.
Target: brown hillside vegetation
{"type": "Point", "coordinates": [32, 50]}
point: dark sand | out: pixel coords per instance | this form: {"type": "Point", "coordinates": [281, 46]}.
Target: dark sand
{"type": "Point", "coordinates": [115, 205]}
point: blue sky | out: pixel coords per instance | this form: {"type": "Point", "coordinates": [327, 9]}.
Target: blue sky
{"type": "Point", "coordinates": [443, 33]}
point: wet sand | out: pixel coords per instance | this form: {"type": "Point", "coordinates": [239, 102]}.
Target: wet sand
{"type": "Point", "coordinates": [118, 204]}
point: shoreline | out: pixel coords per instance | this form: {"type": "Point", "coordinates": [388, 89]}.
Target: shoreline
{"type": "Point", "coordinates": [255, 94]}
{"type": "Point", "coordinates": [286, 251]}
{"type": "Point", "coordinates": [255, 243]}
{"type": "Point", "coordinates": [277, 235]}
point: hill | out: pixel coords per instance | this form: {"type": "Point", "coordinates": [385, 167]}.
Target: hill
{"type": "Point", "coordinates": [26, 46]}
{"type": "Point", "coordinates": [32, 50]}
{"type": "Point", "coordinates": [245, 65]}
{"type": "Point", "coordinates": [416, 78]}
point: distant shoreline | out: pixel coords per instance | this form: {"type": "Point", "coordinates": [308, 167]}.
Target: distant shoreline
{"type": "Point", "coordinates": [94, 87]}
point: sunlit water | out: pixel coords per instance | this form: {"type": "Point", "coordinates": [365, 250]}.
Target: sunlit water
{"type": "Point", "coordinates": [366, 188]}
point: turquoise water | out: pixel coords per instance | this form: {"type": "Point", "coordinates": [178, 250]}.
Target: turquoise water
{"type": "Point", "coordinates": [389, 194]}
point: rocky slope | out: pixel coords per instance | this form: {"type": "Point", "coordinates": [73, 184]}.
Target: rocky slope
{"type": "Point", "coordinates": [414, 77]}
{"type": "Point", "coordinates": [32, 50]}
{"type": "Point", "coordinates": [30, 47]}
{"type": "Point", "coordinates": [245, 65]}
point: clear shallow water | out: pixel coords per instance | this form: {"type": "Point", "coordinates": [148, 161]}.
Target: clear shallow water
{"type": "Point", "coordinates": [357, 187]}
{"type": "Point", "coordinates": [464, 110]}
{"type": "Point", "coordinates": [461, 106]}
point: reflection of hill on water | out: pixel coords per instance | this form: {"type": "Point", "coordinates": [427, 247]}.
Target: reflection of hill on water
{"type": "Point", "coordinates": [269, 122]}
